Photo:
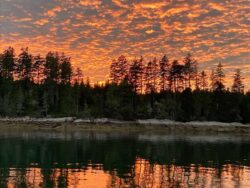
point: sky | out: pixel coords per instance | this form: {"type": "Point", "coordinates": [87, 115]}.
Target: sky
{"type": "Point", "coordinates": [94, 32]}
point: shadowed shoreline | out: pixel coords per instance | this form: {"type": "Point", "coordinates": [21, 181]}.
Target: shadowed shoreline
{"type": "Point", "coordinates": [107, 125]}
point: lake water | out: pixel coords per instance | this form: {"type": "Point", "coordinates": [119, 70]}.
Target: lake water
{"type": "Point", "coordinates": [88, 159]}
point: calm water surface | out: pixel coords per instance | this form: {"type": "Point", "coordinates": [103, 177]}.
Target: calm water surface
{"type": "Point", "coordinates": [88, 159]}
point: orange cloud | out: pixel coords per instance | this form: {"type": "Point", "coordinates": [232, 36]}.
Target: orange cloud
{"type": "Point", "coordinates": [52, 12]}
{"type": "Point", "coordinates": [217, 6]}
{"type": "Point", "coordinates": [41, 22]}
{"type": "Point", "coordinates": [152, 5]}
{"type": "Point", "coordinates": [95, 32]}
{"type": "Point", "coordinates": [95, 3]}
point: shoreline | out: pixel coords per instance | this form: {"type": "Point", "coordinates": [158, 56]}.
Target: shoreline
{"type": "Point", "coordinates": [107, 125]}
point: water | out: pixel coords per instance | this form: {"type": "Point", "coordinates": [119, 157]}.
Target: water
{"type": "Point", "coordinates": [88, 159]}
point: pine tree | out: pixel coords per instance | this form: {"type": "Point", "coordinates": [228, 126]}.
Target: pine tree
{"type": "Point", "coordinates": [212, 81]}
{"type": "Point", "coordinates": [24, 65]}
{"type": "Point", "coordinates": [51, 79]}
{"type": "Point", "coordinates": [238, 86]}
{"type": "Point", "coordinates": [135, 75]}
{"type": "Point", "coordinates": [119, 70]}
{"type": "Point", "coordinates": [52, 67]}
{"type": "Point", "coordinates": [176, 77]}
{"type": "Point", "coordinates": [65, 70]}
{"type": "Point", "coordinates": [113, 75]}
{"type": "Point", "coordinates": [164, 73]}
{"type": "Point", "coordinates": [203, 80]}
{"type": "Point", "coordinates": [219, 78]}
{"type": "Point", "coordinates": [197, 78]}
{"type": "Point", "coordinates": [190, 66]}
{"type": "Point", "coordinates": [38, 68]}
{"type": "Point", "coordinates": [219, 73]}
{"type": "Point", "coordinates": [7, 63]}
{"type": "Point", "coordinates": [151, 75]}
{"type": "Point", "coordinates": [78, 75]}
{"type": "Point", "coordinates": [141, 75]}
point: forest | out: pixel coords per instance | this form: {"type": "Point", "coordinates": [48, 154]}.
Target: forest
{"type": "Point", "coordinates": [49, 86]}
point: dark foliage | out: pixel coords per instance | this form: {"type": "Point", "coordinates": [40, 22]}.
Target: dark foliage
{"type": "Point", "coordinates": [36, 86]}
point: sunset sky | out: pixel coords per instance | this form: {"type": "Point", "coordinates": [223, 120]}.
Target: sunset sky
{"type": "Point", "coordinates": [94, 32]}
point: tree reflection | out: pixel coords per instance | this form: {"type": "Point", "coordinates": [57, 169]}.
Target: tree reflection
{"type": "Point", "coordinates": [145, 175]}
{"type": "Point", "coordinates": [94, 160]}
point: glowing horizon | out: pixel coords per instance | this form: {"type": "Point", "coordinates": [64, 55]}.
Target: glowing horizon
{"type": "Point", "coordinates": [95, 32]}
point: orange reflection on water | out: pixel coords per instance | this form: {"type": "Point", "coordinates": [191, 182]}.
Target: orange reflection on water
{"type": "Point", "coordinates": [153, 175]}
{"type": "Point", "coordinates": [91, 177]}
{"type": "Point", "coordinates": [141, 174]}
{"type": "Point", "coordinates": [31, 177]}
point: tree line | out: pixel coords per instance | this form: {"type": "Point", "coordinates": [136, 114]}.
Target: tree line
{"type": "Point", "coordinates": [49, 86]}
{"type": "Point", "coordinates": [161, 76]}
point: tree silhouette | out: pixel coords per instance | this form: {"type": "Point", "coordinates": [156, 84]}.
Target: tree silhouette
{"type": "Point", "coordinates": [212, 80]}
{"type": "Point", "coordinates": [190, 67]}
{"type": "Point", "coordinates": [119, 70]}
{"type": "Point", "coordinates": [78, 74]}
{"type": "Point", "coordinates": [65, 70]}
{"type": "Point", "coordinates": [203, 80]}
{"type": "Point", "coordinates": [38, 68]}
{"type": "Point", "coordinates": [176, 77]}
{"type": "Point", "coordinates": [24, 65]}
{"type": "Point", "coordinates": [135, 75]}
{"type": "Point", "coordinates": [164, 73]}
{"type": "Point", "coordinates": [7, 63]}
{"type": "Point", "coordinates": [219, 78]}
{"type": "Point", "coordinates": [38, 86]}
{"type": "Point", "coordinates": [151, 75]}
{"type": "Point", "coordinates": [238, 86]}
{"type": "Point", "coordinates": [52, 67]}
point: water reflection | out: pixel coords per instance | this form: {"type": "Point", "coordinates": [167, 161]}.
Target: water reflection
{"type": "Point", "coordinates": [109, 160]}
{"type": "Point", "coordinates": [143, 174]}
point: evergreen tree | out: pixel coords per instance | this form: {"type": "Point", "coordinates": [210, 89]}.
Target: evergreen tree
{"type": "Point", "coordinates": [176, 77]}
{"type": "Point", "coordinates": [219, 73]}
{"type": "Point", "coordinates": [238, 86]}
{"type": "Point", "coordinates": [135, 75]}
{"type": "Point", "coordinates": [119, 69]}
{"type": "Point", "coordinates": [65, 70]}
{"type": "Point", "coordinates": [51, 80]}
{"type": "Point", "coordinates": [212, 81]}
{"type": "Point", "coordinates": [203, 80]}
{"type": "Point", "coordinates": [24, 65]}
{"type": "Point", "coordinates": [113, 75]}
{"type": "Point", "coordinates": [190, 67]}
{"type": "Point", "coordinates": [78, 75]}
{"type": "Point", "coordinates": [151, 74]}
{"type": "Point", "coordinates": [141, 75]}
{"type": "Point", "coordinates": [38, 68]}
{"type": "Point", "coordinates": [164, 73]}
{"type": "Point", "coordinates": [219, 78]}
{"type": "Point", "coordinates": [197, 78]}
{"type": "Point", "coordinates": [52, 67]}
{"type": "Point", "coordinates": [7, 63]}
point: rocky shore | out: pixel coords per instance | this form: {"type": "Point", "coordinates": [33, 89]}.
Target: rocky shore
{"type": "Point", "coordinates": [105, 124]}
